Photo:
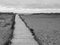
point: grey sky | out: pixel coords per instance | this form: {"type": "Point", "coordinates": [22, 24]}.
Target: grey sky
{"type": "Point", "coordinates": [31, 3]}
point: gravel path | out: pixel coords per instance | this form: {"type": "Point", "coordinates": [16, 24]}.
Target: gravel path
{"type": "Point", "coordinates": [22, 34]}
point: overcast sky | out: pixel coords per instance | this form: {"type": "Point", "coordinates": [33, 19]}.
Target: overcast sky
{"type": "Point", "coordinates": [31, 3]}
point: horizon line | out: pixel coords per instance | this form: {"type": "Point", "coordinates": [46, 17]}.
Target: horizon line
{"type": "Point", "coordinates": [28, 10]}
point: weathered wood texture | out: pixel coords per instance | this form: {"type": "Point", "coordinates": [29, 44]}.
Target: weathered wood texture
{"type": "Point", "coordinates": [6, 27]}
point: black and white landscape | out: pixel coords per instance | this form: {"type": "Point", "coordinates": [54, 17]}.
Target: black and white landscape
{"type": "Point", "coordinates": [29, 22]}
{"type": "Point", "coordinates": [45, 27]}
{"type": "Point", "coordinates": [30, 29]}
{"type": "Point", "coordinates": [7, 22]}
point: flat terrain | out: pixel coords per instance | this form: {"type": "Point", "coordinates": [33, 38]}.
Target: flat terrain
{"type": "Point", "coordinates": [6, 22]}
{"type": "Point", "coordinates": [43, 24]}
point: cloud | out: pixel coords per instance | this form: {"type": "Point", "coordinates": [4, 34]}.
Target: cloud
{"type": "Point", "coordinates": [31, 3]}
